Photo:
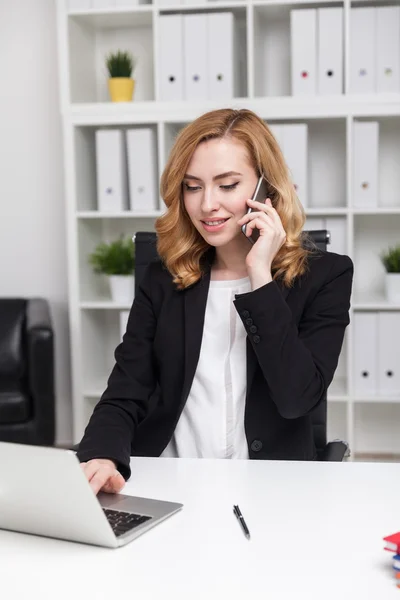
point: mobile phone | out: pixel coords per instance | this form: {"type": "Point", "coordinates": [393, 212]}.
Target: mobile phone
{"type": "Point", "coordinates": [260, 195]}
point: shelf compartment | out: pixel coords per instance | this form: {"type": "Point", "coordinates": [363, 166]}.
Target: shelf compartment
{"type": "Point", "coordinates": [85, 166]}
{"type": "Point", "coordinates": [373, 234]}
{"type": "Point", "coordinates": [93, 287]}
{"type": "Point", "coordinates": [92, 36]}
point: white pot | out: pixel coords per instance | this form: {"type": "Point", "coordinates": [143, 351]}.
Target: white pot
{"type": "Point", "coordinates": [122, 288]}
{"type": "Point", "coordinates": [393, 287]}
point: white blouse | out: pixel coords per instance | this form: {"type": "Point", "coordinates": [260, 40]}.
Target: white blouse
{"type": "Point", "coordinates": [212, 422]}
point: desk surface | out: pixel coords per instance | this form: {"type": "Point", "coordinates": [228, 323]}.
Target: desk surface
{"type": "Point", "coordinates": [316, 533]}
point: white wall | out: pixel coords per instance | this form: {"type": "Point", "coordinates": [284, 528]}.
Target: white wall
{"type": "Point", "coordinates": [32, 223]}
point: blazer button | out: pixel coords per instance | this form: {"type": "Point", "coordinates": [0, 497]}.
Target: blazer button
{"type": "Point", "coordinates": [256, 445]}
{"type": "Point", "coordinates": [256, 339]}
{"type": "Point", "coordinates": [245, 314]}
{"type": "Point", "coordinates": [253, 329]}
{"type": "Point", "coordinates": [249, 321]}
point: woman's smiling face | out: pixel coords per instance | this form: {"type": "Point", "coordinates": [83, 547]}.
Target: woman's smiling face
{"type": "Point", "coordinates": [216, 186]}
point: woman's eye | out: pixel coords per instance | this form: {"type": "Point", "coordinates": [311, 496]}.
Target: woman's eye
{"type": "Point", "coordinates": [232, 186]}
{"type": "Point", "coordinates": [191, 188]}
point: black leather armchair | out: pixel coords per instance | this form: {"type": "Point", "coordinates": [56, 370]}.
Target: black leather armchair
{"type": "Point", "coordinates": [337, 450]}
{"type": "Point", "coordinates": [27, 398]}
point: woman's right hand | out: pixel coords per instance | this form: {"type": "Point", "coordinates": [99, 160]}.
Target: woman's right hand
{"type": "Point", "coordinates": [103, 476]}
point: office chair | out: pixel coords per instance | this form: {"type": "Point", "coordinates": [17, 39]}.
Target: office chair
{"type": "Point", "coordinates": [27, 395]}
{"type": "Point", "coordinates": [337, 450]}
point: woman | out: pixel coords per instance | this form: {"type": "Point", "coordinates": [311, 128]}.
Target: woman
{"type": "Point", "coordinates": [229, 345]}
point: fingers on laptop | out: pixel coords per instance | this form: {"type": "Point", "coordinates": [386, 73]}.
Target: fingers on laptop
{"type": "Point", "coordinates": [103, 476]}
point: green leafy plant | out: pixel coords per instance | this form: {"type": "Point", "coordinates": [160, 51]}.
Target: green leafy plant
{"type": "Point", "coordinates": [120, 64]}
{"type": "Point", "coordinates": [114, 258]}
{"type": "Point", "coordinates": [391, 259]}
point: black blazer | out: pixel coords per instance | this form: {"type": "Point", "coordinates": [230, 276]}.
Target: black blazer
{"type": "Point", "coordinates": [293, 344]}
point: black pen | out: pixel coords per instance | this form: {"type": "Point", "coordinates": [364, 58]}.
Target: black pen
{"type": "Point", "coordinates": [242, 522]}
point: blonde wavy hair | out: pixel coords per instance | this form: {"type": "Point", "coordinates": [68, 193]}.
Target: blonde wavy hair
{"type": "Point", "coordinates": [179, 244]}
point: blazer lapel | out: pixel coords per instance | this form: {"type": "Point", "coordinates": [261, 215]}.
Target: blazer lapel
{"type": "Point", "coordinates": [195, 300]}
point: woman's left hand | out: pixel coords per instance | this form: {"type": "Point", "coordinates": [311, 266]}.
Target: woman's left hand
{"type": "Point", "coordinates": [272, 237]}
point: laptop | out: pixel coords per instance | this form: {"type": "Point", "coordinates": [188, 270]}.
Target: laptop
{"type": "Point", "coordinates": [43, 491]}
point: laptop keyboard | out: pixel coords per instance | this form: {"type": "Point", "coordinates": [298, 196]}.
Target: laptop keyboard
{"type": "Point", "coordinates": [122, 522]}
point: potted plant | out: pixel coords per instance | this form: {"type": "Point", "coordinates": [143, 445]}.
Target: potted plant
{"type": "Point", "coordinates": [120, 84]}
{"type": "Point", "coordinates": [117, 260]}
{"type": "Point", "coordinates": [391, 262]}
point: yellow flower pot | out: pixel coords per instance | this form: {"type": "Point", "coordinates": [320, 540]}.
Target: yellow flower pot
{"type": "Point", "coordinates": [121, 89]}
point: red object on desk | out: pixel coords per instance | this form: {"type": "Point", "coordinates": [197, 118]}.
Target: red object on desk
{"type": "Point", "coordinates": [393, 542]}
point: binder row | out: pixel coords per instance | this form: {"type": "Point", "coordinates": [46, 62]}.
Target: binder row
{"type": "Point", "coordinates": [316, 51]}
{"type": "Point", "coordinates": [376, 353]}
{"type": "Point", "coordinates": [375, 49]}
{"type": "Point", "coordinates": [126, 170]}
{"type": "Point", "coordinates": [198, 57]}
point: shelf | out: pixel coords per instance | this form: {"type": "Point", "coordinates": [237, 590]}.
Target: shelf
{"type": "Point", "coordinates": [94, 214]}
{"type": "Point", "coordinates": [326, 211]}
{"type": "Point", "coordinates": [203, 7]}
{"type": "Point", "coordinates": [377, 305]}
{"type": "Point", "coordinates": [395, 210]}
{"type": "Point", "coordinates": [114, 17]}
{"type": "Point", "coordinates": [377, 400]}
{"type": "Point", "coordinates": [94, 393]}
{"type": "Point", "coordinates": [104, 305]}
{"type": "Point", "coordinates": [269, 108]}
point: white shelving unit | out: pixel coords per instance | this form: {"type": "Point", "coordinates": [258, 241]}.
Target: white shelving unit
{"type": "Point", "coordinates": [369, 424]}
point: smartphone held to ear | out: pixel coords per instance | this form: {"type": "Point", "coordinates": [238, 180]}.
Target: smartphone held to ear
{"type": "Point", "coordinates": [260, 195]}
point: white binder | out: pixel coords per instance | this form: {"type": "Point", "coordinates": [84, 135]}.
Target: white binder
{"type": "Point", "coordinates": [123, 321]}
{"type": "Point", "coordinates": [330, 51]}
{"type": "Point", "coordinates": [365, 354]}
{"type": "Point", "coordinates": [142, 169]}
{"type": "Point", "coordinates": [389, 354]}
{"type": "Point", "coordinates": [388, 49]}
{"type": "Point", "coordinates": [195, 48]}
{"type": "Point", "coordinates": [79, 4]}
{"type": "Point", "coordinates": [303, 28]}
{"type": "Point", "coordinates": [295, 151]}
{"type": "Point", "coordinates": [277, 132]}
{"type": "Point", "coordinates": [220, 54]}
{"type": "Point", "coordinates": [170, 35]}
{"type": "Point", "coordinates": [362, 50]}
{"type": "Point", "coordinates": [365, 164]}
{"type": "Point", "coordinates": [111, 172]}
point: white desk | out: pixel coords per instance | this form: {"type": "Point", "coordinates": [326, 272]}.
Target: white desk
{"type": "Point", "coordinates": [316, 533]}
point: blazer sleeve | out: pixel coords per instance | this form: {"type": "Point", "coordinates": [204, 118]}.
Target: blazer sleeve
{"type": "Point", "coordinates": [125, 401]}
{"type": "Point", "coordinates": [298, 363]}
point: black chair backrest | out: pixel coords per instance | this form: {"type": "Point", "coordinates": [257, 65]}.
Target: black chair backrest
{"type": "Point", "coordinates": [146, 251]}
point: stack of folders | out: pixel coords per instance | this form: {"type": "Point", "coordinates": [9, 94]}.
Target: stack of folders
{"type": "Point", "coordinates": [317, 51]}
{"type": "Point", "coordinates": [199, 57]}
{"type": "Point", "coordinates": [374, 49]}
{"type": "Point", "coordinates": [376, 354]}
{"type": "Point", "coordinates": [293, 142]}
{"type": "Point", "coordinates": [126, 169]}
{"type": "Point", "coordinates": [393, 545]}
